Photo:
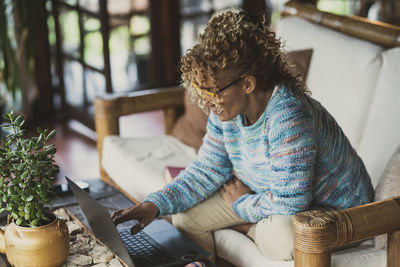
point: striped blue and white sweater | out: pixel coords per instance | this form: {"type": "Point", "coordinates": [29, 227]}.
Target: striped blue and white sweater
{"type": "Point", "coordinates": [294, 157]}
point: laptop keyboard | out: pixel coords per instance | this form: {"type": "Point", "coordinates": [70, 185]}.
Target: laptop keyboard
{"type": "Point", "coordinates": [144, 251]}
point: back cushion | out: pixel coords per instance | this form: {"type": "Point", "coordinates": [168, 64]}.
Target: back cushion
{"type": "Point", "coordinates": [343, 71]}
{"type": "Point", "coordinates": [382, 133]}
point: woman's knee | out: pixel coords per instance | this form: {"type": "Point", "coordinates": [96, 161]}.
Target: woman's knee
{"type": "Point", "coordinates": [274, 237]}
{"type": "Point", "coordinates": [183, 221]}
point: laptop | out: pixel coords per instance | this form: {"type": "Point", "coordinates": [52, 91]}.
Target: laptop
{"type": "Point", "coordinates": [158, 244]}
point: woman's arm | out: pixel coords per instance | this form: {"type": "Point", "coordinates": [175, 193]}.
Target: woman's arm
{"type": "Point", "coordinates": [201, 179]}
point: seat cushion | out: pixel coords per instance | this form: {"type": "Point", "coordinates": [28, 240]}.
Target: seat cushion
{"type": "Point", "coordinates": [343, 71]}
{"type": "Point", "coordinates": [388, 186]}
{"type": "Point", "coordinates": [382, 132]}
{"type": "Point", "coordinates": [137, 164]}
{"type": "Point", "coordinates": [236, 247]}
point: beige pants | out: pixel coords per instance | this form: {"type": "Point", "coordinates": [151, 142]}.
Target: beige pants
{"type": "Point", "coordinates": [273, 235]}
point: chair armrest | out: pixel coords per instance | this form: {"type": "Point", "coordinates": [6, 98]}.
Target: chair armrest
{"type": "Point", "coordinates": [109, 107]}
{"type": "Point", "coordinates": [318, 232]}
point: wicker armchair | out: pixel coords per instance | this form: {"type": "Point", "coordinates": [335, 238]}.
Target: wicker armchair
{"type": "Point", "coordinates": [317, 232]}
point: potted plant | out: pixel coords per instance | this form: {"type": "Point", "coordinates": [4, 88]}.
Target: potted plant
{"type": "Point", "coordinates": [34, 236]}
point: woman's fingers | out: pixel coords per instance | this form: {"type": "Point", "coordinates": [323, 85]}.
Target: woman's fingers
{"type": "Point", "coordinates": [137, 228]}
{"type": "Point", "coordinates": [123, 215]}
{"type": "Point", "coordinates": [115, 214]}
{"type": "Point", "coordinates": [240, 186]}
{"type": "Point", "coordinates": [144, 213]}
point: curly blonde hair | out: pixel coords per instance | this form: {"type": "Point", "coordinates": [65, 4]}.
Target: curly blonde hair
{"type": "Point", "coordinates": [240, 43]}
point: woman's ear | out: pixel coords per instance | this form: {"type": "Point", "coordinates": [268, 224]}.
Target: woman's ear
{"type": "Point", "coordinates": [249, 83]}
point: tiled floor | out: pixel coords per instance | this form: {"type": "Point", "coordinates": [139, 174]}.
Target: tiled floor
{"type": "Point", "coordinates": [76, 152]}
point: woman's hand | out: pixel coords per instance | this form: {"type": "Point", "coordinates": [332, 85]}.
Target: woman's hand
{"type": "Point", "coordinates": [233, 189]}
{"type": "Point", "coordinates": [144, 213]}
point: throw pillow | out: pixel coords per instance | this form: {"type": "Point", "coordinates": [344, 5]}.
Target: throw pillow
{"type": "Point", "coordinates": [388, 186]}
{"type": "Point", "coordinates": [191, 126]}
{"type": "Point", "coordinates": [300, 59]}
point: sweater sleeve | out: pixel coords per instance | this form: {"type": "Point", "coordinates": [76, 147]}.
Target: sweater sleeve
{"type": "Point", "coordinates": [201, 179]}
{"type": "Point", "coordinates": [292, 153]}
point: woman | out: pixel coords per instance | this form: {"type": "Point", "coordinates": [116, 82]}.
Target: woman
{"type": "Point", "coordinates": [270, 150]}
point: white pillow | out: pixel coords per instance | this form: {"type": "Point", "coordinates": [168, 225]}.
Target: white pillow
{"type": "Point", "coordinates": [343, 71]}
{"type": "Point", "coordinates": [388, 186]}
{"type": "Point", "coordinates": [382, 132]}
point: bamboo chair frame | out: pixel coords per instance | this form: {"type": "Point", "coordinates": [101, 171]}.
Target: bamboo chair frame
{"type": "Point", "coordinates": [317, 232]}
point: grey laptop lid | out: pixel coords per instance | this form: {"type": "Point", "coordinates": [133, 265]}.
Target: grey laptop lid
{"type": "Point", "coordinates": [100, 221]}
{"type": "Point", "coordinates": [160, 231]}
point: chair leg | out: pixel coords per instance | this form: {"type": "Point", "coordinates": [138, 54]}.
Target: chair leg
{"type": "Point", "coordinates": [305, 259]}
{"type": "Point", "coordinates": [393, 249]}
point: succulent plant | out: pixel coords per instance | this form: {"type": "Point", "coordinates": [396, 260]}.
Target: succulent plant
{"type": "Point", "coordinates": [27, 171]}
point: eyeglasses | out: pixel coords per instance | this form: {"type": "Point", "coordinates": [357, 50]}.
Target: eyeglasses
{"type": "Point", "coordinates": [210, 96]}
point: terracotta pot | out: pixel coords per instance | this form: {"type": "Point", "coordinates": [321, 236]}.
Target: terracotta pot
{"type": "Point", "coordinates": [44, 246]}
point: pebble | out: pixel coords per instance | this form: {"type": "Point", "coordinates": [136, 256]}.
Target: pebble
{"type": "Point", "coordinates": [115, 263]}
{"type": "Point", "coordinates": [101, 254]}
{"type": "Point", "coordinates": [74, 228]}
{"type": "Point", "coordinates": [79, 259]}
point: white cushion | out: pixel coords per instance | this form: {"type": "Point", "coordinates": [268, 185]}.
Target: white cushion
{"type": "Point", "coordinates": [236, 247]}
{"type": "Point", "coordinates": [389, 183]}
{"type": "Point", "coordinates": [365, 255]}
{"type": "Point", "coordinates": [342, 74]}
{"type": "Point", "coordinates": [137, 164]}
{"type": "Point", "coordinates": [239, 249]}
{"type": "Point", "coordinates": [382, 133]}
{"type": "Point", "coordinates": [151, 124]}
{"type": "Point", "coordinates": [388, 186]}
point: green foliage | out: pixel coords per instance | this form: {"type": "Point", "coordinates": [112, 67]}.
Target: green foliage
{"type": "Point", "coordinates": [27, 170]}
{"type": "Point", "coordinates": [8, 67]}
{"type": "Point", "coordinates": [16, 18]}
{"type": "Point", "coordinates": [339, 7]}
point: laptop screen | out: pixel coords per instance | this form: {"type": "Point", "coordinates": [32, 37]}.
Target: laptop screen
{"type": "Point", "coordinates": [100, 222]}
